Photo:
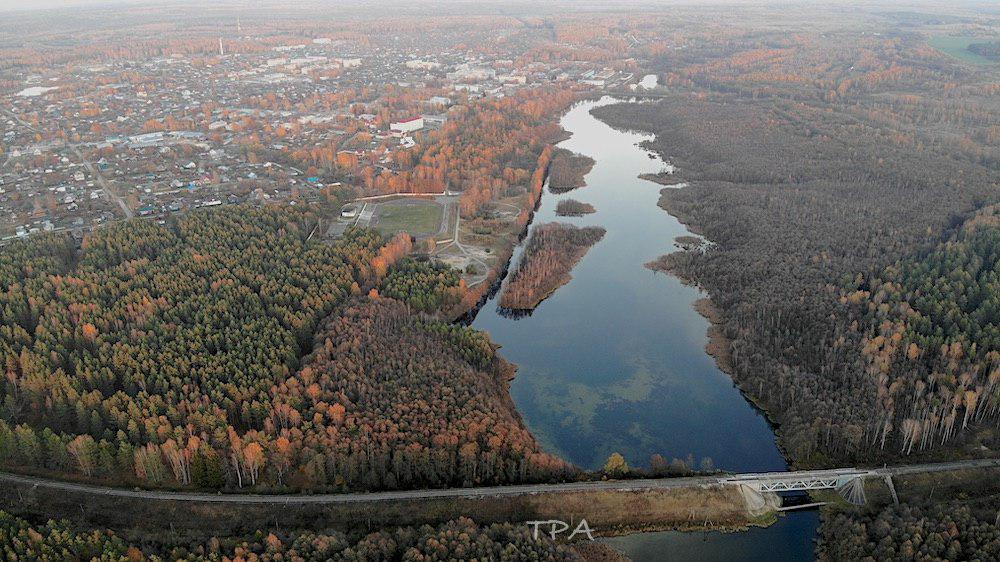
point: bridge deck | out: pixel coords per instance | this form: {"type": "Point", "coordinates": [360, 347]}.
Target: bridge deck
{"type": "Point", "coordinates": [797, 481]}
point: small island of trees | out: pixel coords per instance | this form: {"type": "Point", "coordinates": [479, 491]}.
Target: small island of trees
{"type": "Point", "coordinates": [573, 208]}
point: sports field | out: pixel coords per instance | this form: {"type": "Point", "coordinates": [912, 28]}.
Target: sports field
{"type": "Point", "coordinates": [418, 217]}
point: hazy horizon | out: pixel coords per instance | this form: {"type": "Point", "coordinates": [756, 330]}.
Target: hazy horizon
{"type": "Point", "coordinates": [21, 5]}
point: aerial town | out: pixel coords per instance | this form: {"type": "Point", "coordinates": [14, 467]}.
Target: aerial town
{"type": "Point", "coordinates": [275, 119]}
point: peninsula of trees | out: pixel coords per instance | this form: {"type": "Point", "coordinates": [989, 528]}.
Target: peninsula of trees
{"type": "Point", "coordinates": [549, 256]}
{"type": "Point", "coordinates": [568, 170]}
{"type": "Point", "coordinates": [398, 401]}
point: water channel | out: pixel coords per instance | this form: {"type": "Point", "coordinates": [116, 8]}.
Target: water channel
{"type": "Point", "coordinates": [615, 360]}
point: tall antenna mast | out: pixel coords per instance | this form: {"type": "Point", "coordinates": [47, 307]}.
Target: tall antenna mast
{"type": "Point", "coordinates": [222, 52]}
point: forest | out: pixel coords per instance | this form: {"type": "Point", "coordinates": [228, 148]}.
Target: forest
{"type": "Point", "coordinates": [150, 344]}
{"type": "Point", "coordinates": [568, 170]}
{"type": "Point", "coordinates": [174, 356]}
{"type": "Point", "coordinates": [549, 255]}
{"type": "Point", "coordinates": [56, 541]}
{"type": "Point", "coordinates": [390, 399]}
{"type": "Point", "coordinates": [933, 339]}
{"type": "Point", "coordinates": [949, 530]}
{"type": "Point", "coordinates": [427, 286]}
{"type": "Point", "coordinates": [813, 183]}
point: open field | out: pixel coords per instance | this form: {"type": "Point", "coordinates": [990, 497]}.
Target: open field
{"type": "Point", "coordinates": [958, 47]}
{"type": "Point", "coordinates": [479, 246]}
{"type": "Point", "coordinates": [419, 217]}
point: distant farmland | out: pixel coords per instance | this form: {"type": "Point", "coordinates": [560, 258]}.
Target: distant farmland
{"type": "Point", "coordinates": [958, 47]}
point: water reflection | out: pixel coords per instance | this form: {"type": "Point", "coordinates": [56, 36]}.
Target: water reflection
{"type": "Point", "coordinates": [791, 538]}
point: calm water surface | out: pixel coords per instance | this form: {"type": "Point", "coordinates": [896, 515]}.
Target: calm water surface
{"type": "Point", "coordinates": [615, 360]}
{"type": "Point", "coordinates": [791, 538]}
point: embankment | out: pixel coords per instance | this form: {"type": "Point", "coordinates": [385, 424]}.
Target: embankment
{"type": "Point", "coordinates": [608, 512]}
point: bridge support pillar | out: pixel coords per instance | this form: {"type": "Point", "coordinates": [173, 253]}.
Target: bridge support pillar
{"type": "Point", "coordinates": [757, 502]}
{"type": "Point", "coordinates": [853, 491]}
{"type": "Point", "coordinates": [892, 488]}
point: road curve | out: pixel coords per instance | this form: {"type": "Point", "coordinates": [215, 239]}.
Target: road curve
{"type": "Point", "coordinates": [466, 493]}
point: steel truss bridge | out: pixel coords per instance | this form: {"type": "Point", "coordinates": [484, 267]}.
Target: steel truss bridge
{"type": "Point", "coordinates": [849, 482]}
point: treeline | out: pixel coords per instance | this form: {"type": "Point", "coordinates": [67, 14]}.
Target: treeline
{"type": "Point", "coordinates": [568, 170]}
{"type": "Point", "coordinates": [549, 256]}
{"type": "Point", "coordinates": [463, 539]}
{"type": "Point", "coordinates": [949, 530]}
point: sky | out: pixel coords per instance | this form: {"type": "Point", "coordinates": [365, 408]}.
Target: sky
{"type": "Point", "coordinates": [45, 4]}
{"type": "Point", "coordinates": [8, 5]}
{"type": "Point", "coordinates": [39, 4]}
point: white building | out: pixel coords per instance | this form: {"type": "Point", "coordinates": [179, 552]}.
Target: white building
{"type": "Point", "coordinates": [407, 125]}
{"type": "Point", "coordinates": [418, 64]}
{"type": "Point", "coordinates": [348, 63]}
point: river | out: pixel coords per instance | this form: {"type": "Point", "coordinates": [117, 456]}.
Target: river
{"type": "Point", "coordinates": [614, 361]}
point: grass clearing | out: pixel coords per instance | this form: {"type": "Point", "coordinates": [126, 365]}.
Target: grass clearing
{"type": "Point", "coordinates": [415, 216]}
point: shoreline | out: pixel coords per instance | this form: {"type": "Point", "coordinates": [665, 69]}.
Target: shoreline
{"type": "Point", "coordinates": [719, 346]}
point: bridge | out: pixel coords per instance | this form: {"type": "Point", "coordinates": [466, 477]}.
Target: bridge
{"type": "Point", "coordinates": [848, 482]}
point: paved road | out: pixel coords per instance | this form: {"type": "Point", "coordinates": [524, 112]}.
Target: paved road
{"type": "Point", "coordinates": [495, 491]}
